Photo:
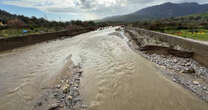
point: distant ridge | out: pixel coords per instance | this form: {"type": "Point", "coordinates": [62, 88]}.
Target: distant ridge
{"type": "Point", "coordinates": [165, 10]}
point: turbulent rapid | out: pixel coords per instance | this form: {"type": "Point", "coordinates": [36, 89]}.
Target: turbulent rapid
{"type": "Point", "coordinates": [114, 78]}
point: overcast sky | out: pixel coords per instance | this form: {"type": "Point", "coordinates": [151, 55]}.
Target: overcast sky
{"type": "Point", "coordinates": [82, 9]}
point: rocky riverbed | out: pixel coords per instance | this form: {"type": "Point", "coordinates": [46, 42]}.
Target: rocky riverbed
{"type": "Point", "coordinates": [65, 95]}
{"type": "Point", "coordinates": [184, 71]}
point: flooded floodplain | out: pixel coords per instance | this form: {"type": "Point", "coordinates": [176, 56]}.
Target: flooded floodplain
{"type": "Point", "coordinates": [114, 78]}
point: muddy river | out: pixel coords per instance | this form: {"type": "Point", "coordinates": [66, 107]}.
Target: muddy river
{"type": "Point", "coordinates": [114, 78]}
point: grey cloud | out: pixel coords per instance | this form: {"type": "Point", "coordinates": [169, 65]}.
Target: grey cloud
{"type": "Point", "coordinates": [101, 10]}
{"type": "Point", "coordinates": [85, 4]}
{"type": "Point", "coordinates": [198, 1]}
{"type": "Point", "coordinates": [62, 10]}
{"type": "Point", "coordinates": [131, 6]}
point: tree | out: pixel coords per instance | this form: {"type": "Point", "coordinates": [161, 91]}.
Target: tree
{"type": "Point", "coordinates": [16, 23]}
{"type": "Point", "coordinates": [72, 27]}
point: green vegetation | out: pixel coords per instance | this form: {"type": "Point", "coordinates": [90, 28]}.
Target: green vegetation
{"type": "Point", "coordinates": [199, 16]}
{"type": "Point", "coordinates": [193, 26]}
{"type": "Point", "coordinates": [18, 25]}
{"type": "Point", "coordinates": [201, 34]}
{"type": "Point", "coordinates": [19, 32]}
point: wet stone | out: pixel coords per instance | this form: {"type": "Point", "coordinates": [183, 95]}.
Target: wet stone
{"type": "Point", "coordinates": [54, 106]}
{"type": "Point", "coordinates": [65, 88]}
{"type": "Point", "coordinates": [58, 86]}
{"type": "Point", "coordinates": [188, 70]}
{"type": "Point", "coordinates": [67, 92]}
{"type": "Point", "coordinates": [69, 97]}
{"type": "Point", "coordinates": [195, 82]}
{"type": "Point", "coordinates": [174, 80]}
{"type": "Point", "coordinates": [175, 60]}
{"type": "Point", "coordinates": [204, 88]}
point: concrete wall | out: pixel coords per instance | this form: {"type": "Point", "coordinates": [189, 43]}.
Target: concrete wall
{"type": "Point", "coordinates": [146, 37]}
{"type": "Point", "coordinates": [14, 42]}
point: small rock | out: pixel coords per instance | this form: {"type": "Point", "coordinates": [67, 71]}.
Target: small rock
{"type": "Point", "coordinates": [84, 106]}
{"type": "Point", "coordinates": [175, 60]}
{"type": "Point", "coordinates": [54, 106]}
{"type": "Point", "coordinates": [69, 97]}
{"type": "Point", "coordinates": [188, 64]}
{"type": "Point", "coordinates": [204, 88]}
{"type": "Point", "coordinates": [58, 86]}
{"type": "Point", "coordinates": [76, 100]}
{"type": "Point", "coordinates": [76, 85]}
{"type": "Point", "coordinates": [174, 80]}
{"type": "Point", "coordinates": [163, 67]}
{"type": "Point", "coordinates": [195, 82]}
{"type": "Point", "coordinates": [65, 88]}
{"type": "Point", "coordinates": [62, 81]}
{"type": "Point", "coordinates": [188, 70]}
{"type": "Point", "coordinates": [56, 94]}
{"type": "Point", "coordinates": [67, 81]}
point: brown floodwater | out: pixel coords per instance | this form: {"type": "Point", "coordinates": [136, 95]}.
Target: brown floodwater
{"type": "Point", "coordinates": [115, 77]}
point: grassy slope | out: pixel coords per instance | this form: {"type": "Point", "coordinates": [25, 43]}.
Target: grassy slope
{"type": "Point", "coordinates": [201, 15]}
{"type": "Point", "coordinates": [201, 34]}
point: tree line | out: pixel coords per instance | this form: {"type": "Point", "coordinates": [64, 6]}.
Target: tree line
{"type": "Point", "coordinates": [192, 22]}
{"type": "Point", "coordinates": [20, 21]}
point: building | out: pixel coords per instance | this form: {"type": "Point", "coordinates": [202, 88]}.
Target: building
{"type": "Point", "coordinates": [1, 23]}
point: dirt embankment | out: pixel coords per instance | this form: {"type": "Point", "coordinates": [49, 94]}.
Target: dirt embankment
{"type": "Point", "coordinates": [14, 42]}
{"type": "Point", "coordinates": [147, 38]}
{"type": "Point", "coordinates": [179, 63]}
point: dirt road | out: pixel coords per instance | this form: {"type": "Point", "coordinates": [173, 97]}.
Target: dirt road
{"type": "Point", "coordinates": [114, 78]}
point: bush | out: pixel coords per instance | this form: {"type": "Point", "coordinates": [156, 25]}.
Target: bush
{"type": "Point", "coordinates": [16, 23]}
{"type": "Point", "coordinates": [73, 27]}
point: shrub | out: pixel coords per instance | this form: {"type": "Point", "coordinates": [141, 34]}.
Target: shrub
{"type": "Point", "coordinates": [16, 23]}
{"type": "Point", "coordinates": [73, 27]}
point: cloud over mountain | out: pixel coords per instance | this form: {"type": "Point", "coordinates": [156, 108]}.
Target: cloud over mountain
{"type": "Point", "coordinates": [90, 9]}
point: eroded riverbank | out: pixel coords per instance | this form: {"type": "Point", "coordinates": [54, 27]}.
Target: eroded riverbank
{"type": "Point", "coordinates": [178, 66]}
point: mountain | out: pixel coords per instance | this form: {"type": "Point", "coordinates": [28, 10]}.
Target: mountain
{"type": "Point", "coordinates": [165, 10]}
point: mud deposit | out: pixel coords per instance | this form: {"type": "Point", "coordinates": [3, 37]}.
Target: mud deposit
{"type": "Point", "coordinates": [112, 77]}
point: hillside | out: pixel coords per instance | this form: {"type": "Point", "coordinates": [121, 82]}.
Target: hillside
{"type": "Point", "coordinates": [5, 16]}
{"type": "Point", "coordinates": [198, 16]}
{"type": "Point", "coordinates": [192, 26]}
{"type": "Point", "coordinates": [165, 10]}
{"type": "Point", "coordinates": [15, 25]}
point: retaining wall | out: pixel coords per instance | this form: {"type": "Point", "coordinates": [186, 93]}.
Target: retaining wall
{"type": "Point", "coordinates": [146, 37]}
